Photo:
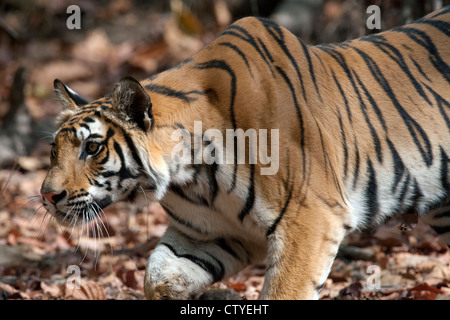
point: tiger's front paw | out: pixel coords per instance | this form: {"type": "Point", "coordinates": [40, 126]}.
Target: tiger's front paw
{"type": "Point", "coordinates": [160, 291]}
{"type": "Point", "coordinates": [168, 276]}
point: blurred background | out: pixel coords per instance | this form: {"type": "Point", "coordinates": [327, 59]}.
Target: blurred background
{"type": "Point", "coordinates": [119, 38]}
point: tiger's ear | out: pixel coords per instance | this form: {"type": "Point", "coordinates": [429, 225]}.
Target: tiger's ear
{"type": "Point", "coordinates": [132, 103]}
{"type": "Point", "coordinates": [69, 99]}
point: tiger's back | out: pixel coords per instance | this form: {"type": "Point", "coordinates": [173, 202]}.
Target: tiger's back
{"type": "Point", "coordinates": [356, 132]}
{"type": "Point", "coordinates": [393, 115]}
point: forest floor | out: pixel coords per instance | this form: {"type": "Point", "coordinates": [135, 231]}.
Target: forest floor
{"type": "Point", "coordinates": [41, 260]}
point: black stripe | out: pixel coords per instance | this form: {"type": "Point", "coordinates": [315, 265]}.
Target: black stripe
{"type": "Point", "coordinates": [418, 195]}
{"type": "Point", "coordinates": [212, 182]}
{"type": "Point", "coordinates": [445, 161]}
{"type": "Point", "coordinates": [201, 201]}
{"type": "Point", "coordinates": [266, 51]}
{"type": "Point", "coordinates": [318, 58]}
{"type": "Point", "coordinates": [222, 243]}
{"type": "Point", "coordinates": [344, 97]}
{"type": "Point", "coordinates": [132, 194]}
{"type": "Point", "coordinates": [441, 230]}
{"type": "Point", "coordinates": [280, 216]}
{"type": "Point", "coordinates": [70, 130]}
{"type": "Point", "coordinates": [404, 191]}
{"type": "Point", "coordinates": [344, 144]}
{"type": "Point", "coordinates": [250, 200]}
{"type": "Point", "coordinates": [441, 102]}
{"type": "Point", "coordinates": [273, 28]}
{"type": "Point", "coordinates": [217, 272]}
{"type": "Point", "coordinates": [182, 221]}
{"type": "Point", "coordinates": [132, 149]}
{"type": "Point", "coordinates": [392, 52]}
{"type": "Point", "coordinates": [340, 59]}
{"type": "Point", "coordinates": [373, 132]}
{"type": "Point", "coordinates": [267, 54]}
{"type": "Point", "coordinates": [106, 158]}
{"type": "Point", "coordinates": [247, 37]}
{"type": "Point", "coordinates": [399, 167]}
{"type": "Point", "coordinates": [88, 120]}
{"type": "Point", "coordinates": [326, 158]}
{"type": "Point", "coordinates": [329, 204]}
{"type": "Point", "coordinates": [103, 203]}
{"type": "Point", "coordinates": [442, 26]}
{"type": "Point", "coordinates": [79, 100]}
{"type": "Point", "coordinates": [84, 125]}
{"type": "Point", "coordinates": [357, 163]}
{"type": "Point", "coordinates": [418, 67]}
{"type": "Point", "coordinates": [300, 119]}
{"type": "Point", "coordinates": [82, 194]}
{"type": "Point", "coordinates": [239, 52]}
{"type": "Point", "coordinates": [421, 38]}
{"type": "Point", "coordinates": [185, 96]}
{"type": "Point", "coordinates": [222, 65]}
{"type": "Point", "coordinates": [311, 66]}
{"type": "Point", "coordinates": [413, 126]}
{"type": "Point", "coordinates": [442, 215]}
{"type": "Point", "coordinates": [107, 174]}
{"type": "Point", "coordinates": [95, 136]}
{"type": "Point", "coordinates": [109, 134]}
{"type": "Point", "coordinates": [124, 172]}
{"type": "Point", "coordinates": [316, 286]}
{"type": "Point", "coordinates": [372, 102]}
{"type": "Point", "coordinates": [371, 191]}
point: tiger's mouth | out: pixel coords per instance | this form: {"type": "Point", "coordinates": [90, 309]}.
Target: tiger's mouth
{"type": "Point", "coordinates": [80, 213]}
{"type": "Point", "coordinates": [66, 219]}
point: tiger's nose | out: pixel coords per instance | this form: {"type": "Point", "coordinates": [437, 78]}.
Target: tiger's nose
{"type": "Point", "coordinates": [53, 197]}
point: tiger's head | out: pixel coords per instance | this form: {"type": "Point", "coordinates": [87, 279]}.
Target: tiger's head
{"type": "Point", "coordinates": [100, 154]}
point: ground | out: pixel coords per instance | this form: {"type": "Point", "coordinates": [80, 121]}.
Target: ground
{"type": "Point", "coordinates": [41, 260]}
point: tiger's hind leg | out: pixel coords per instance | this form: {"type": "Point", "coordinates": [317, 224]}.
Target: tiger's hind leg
{"type": "Point", "coordinates": [439, 220]}
{"type": "Point", "coordinates": [180, 266]}
{"type": "Point", "coordinates": [301, 251]}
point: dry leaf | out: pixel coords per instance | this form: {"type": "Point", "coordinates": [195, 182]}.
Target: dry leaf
{"type": "Point", "coordinates": [52, 289]}
{"type": "Point", "coordinates": [8, 289]}
{"type": "Point", "coordinates": [11, 256]}
{"type": "Point", "coordinates": [390, 279]}
{"type": "Point", "coordinates": [352, 291]}
{"type": "Point", "coordinates": [427, 266]}
{"type": "Point", "coordinates": [425, 292]}
{"type": "Point", "coordinates": [433, 246]}
{"type": "Point", "coordinates": [87, 290]}
{"type": "Point", "coordinates": [440, 273]}
{"type": "Point", "coordinates": [238, 286]}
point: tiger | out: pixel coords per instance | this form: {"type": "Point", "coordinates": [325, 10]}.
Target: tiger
{"type": "Point", "coordinates": [362, 135]}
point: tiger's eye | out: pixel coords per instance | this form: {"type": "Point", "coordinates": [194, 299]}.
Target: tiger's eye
{"type": "Point", "coordinates": [92, 147]}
